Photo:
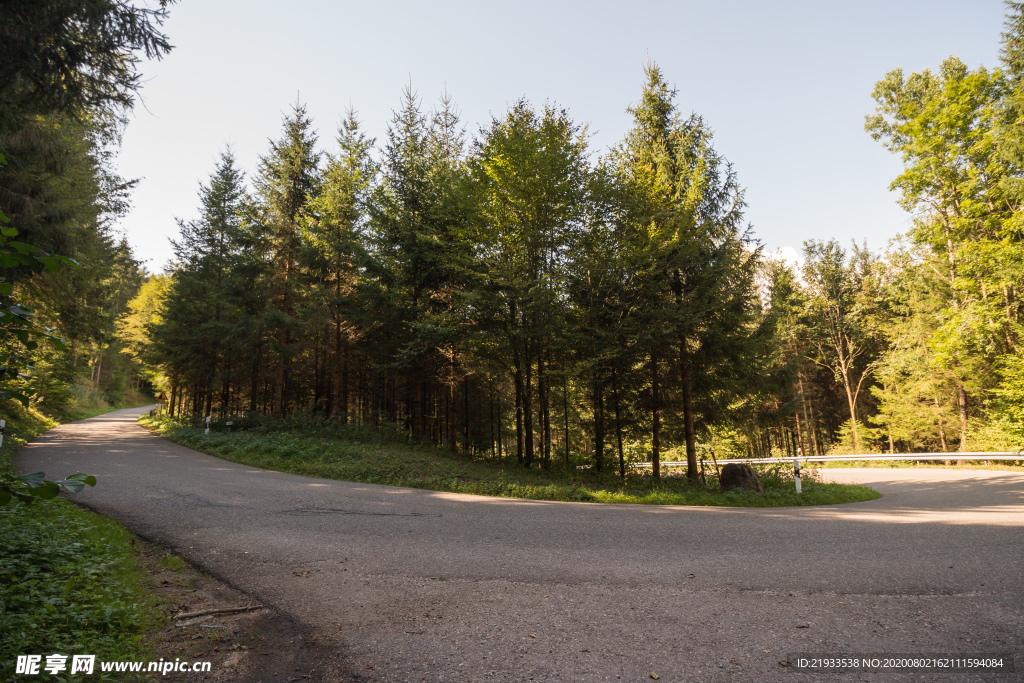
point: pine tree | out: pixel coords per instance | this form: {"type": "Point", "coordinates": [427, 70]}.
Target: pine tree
{"type": "Point", "coordinates": [701, 256]}
{"type": "Point", "coordinates": [333, 250]}
{"type": "Point", "coordinates": [531, 175]}
{"type": "Point", "coordinates": [287, 179]}
{"type": "Point", "coordinates": [201, 327]}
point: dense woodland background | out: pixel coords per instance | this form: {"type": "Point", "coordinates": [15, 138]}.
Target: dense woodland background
{"type": "Point", "coordinates": [511, 293]}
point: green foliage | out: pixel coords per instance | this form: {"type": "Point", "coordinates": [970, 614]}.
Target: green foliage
{"type": "Point", "coordinates": [64, 56]}
{"type": "Point", "coordinates": [19, 333]}
{"type": "Point", "coordinates": [955, 133]}
{"type": "Point", "coordinates": [172, 562]}
{"type": "Point", "coordinates": [346, 454]}
{"type": "Point", "coordinates": [69, 580]}
{"type": "Point", "coordinates": [68, 74]}
{"type": "Point", "coordinates": [70, 583]}
{"type": "Point", "coordinates": [24, 488]}
{"type": "Point", "coordinates": [701, 260]}
{"type": "Point", "coordinates": [844, 316]}
{"type": "Point", "coordinates": [510, 294]}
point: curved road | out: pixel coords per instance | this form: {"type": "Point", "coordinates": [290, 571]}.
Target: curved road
{"type": "Point", "coordinates": [420, 585]}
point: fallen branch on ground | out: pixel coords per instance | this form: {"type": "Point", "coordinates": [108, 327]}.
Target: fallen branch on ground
{"type": "Point", "coordinates": [223, 610]}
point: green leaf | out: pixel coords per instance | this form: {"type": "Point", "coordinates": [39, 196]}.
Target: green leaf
{"type": "Point", "coordinates": [8, 232]}
{"type": "Point", "coordinates": [34, 479]}
{"type": "Point", "coordinates": [87, 479]}
{"type": "Point", "coordinates": [15, 395]}
{"type": "Point", "coordinates": [47, 491]}
{"type": "Point", "coordinates": [72, 485]}
{"type": "Point", "coordinates": [23, 248]}
{"type": "Point", "coordinates": [22, 497]}
{"type": "Point", "coordinates": [6, 288]}
{"type": "Point", "coordinates": [49, 263]}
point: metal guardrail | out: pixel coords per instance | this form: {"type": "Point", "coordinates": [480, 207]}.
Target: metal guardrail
{"type": "Point", "coordinates": [955, 455]}
{"type": "Point", "coordinates": [796, 460]}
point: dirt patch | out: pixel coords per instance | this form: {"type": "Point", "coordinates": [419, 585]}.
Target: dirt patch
{"type": "Point", "coordinates": [258, 646]}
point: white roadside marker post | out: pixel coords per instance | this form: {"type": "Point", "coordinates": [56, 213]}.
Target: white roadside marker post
{"type": "Point", "coordinates": [208, 424]}
{"type": "Point", "coordinates": [796, 475]}
{"type": "Point", "coordinates": [3, 425]}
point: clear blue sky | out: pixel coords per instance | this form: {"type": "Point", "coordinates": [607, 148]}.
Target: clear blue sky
{"type": "Point", "coordinates": [784, 85]}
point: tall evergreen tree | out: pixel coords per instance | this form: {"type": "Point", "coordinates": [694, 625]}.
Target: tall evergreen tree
{"type": "Point", "coordinates": [333, 239]}
{"type": "Point", "coordinates": [201, 327]}
{"type": "Point", "coordinates": [701, 256]}
{"type": "Point", "coordinates": [531, 173]}
{"type": "Point", "coordinates": [287, 179]}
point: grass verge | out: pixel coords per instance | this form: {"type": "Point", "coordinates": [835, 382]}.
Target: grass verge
{"type": "Point", "coordinates": [351, 455]}
{"type": "Point", "coordinates": [71, 585]}
{"type": "Point", "coordinates": [70, 581]}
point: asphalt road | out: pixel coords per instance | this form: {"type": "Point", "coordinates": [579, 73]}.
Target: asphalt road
{"type": "Point", "coordinates": [420, 585]}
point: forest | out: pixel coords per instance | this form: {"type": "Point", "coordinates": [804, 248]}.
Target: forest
{"type": "Point", "coordinates": [68, 80]}
{"type": "Point", "coordinates": [515, 294]}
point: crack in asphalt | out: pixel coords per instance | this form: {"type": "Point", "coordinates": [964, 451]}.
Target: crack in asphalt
{"type": "Point", "coordinates": [339, 511]}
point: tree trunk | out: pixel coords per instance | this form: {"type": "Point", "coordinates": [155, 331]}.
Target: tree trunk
{"type": "Point", "coordinates": [655, 419]}
{"type": "Point", "coordinates": [961, 396]}
{"type": "Point", "coordinates": [172, 406]}
{"type": "Point", "coordinates": [565, 416]}
{"type": "Point", "coordinates": [545, 414]}
{"type": "Point", "coordinates": [801, 445]}
{"type": "Point", "coordinates": [692, 473]}
{"type": "Point", "coordinates": [500, 420]}
{"type": "Point", "coordinates": [451, 413]}
{"type": "Point", "coordinates": [465, 418]}
{"type": "Point", "coordinates": [598, 427]}
{"type": "Point", "coordinates": [490, 411]}
{"type": "Point", "coordinates": [336, 365]}
{"type": "Point", "coordinates": [520, 440]}
{"type": "Point", "coordinates": [528, 410]}
{"type": "Point", "coordinates": [853, 412]}
{"type": "Point", "coordinates": [942, 427]}
{"type": "Point", "coordinates": [282, 374]}
{"type": "Point", "coordinates": [618, 429]}
{"type": "Point", "coordinates": [804, 402]}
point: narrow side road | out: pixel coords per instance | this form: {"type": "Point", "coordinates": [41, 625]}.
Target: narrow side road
{"type": "Point", "coordinates": [424, 586]}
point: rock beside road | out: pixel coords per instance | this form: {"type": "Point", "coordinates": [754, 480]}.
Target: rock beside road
{"type": "Point", "coordinates": [735, 477]}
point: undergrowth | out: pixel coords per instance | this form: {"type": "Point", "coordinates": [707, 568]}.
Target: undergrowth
{"type": "Point", "coordinates": [69, 579]}
{"type": "Point", "coordinates": [353, 454]}
{"type": "Point", "coordinates": [71, 584]}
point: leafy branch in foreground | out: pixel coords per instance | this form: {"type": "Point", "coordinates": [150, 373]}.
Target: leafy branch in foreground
{"type": "Point", "coordinates": [26, 487]}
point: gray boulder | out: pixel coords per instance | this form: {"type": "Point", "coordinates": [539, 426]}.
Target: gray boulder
{"type": "Point", "coordinates": [739, 477]}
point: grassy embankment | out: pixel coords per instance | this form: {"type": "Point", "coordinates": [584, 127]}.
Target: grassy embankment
{"type": "Point", "coordinates": [70, 581]}
{"type": "Point", "coordinates": [316, 449]}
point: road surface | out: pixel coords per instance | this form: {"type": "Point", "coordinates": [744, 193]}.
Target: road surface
{"type": "Point", "coordinates": [426, 586]}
